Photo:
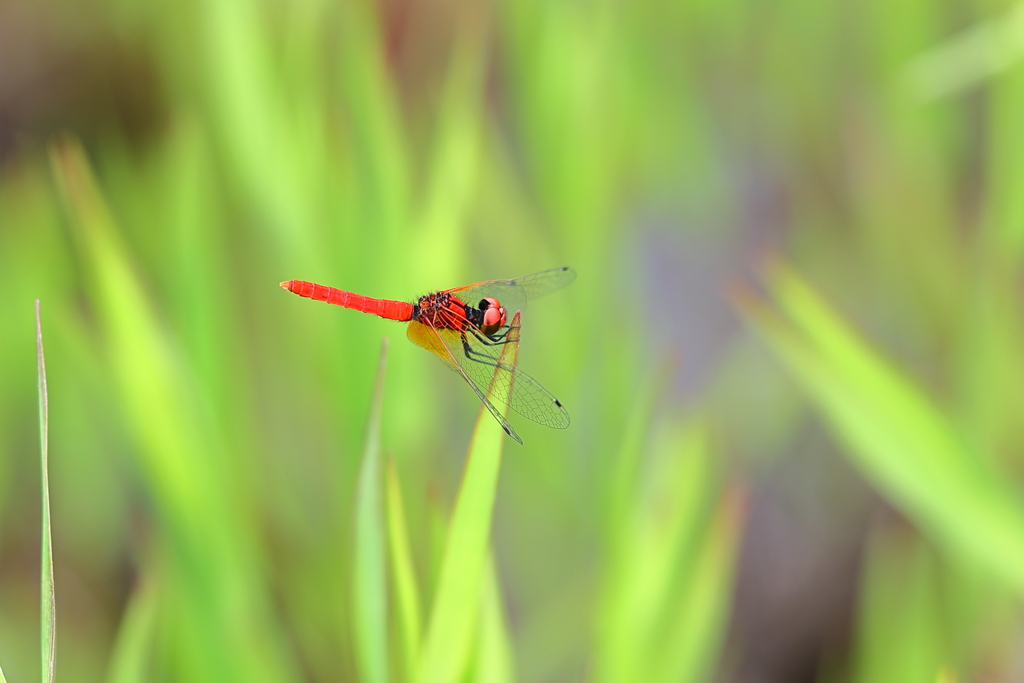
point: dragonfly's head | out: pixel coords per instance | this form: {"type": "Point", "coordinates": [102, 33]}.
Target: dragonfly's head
{"type": "Point", "coordinates": [494, 315]}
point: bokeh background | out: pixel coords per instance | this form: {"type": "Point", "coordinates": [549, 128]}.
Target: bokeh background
{"type": "Point", "coordinates": [793, 356]}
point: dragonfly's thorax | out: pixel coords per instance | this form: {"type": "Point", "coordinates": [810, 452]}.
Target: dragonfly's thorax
{"type": "Point", "coordinates": [443, 310]}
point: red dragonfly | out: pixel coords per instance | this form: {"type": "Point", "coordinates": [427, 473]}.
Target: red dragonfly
{"type": "Point", "coordinates": [468, 337]}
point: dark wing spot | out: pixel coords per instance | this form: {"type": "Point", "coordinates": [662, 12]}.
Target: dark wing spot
{"type": "Point", "coordinates": [556, 402]}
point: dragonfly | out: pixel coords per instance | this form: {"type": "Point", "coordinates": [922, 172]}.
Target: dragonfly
{"type": "Point", "coordinates": [469, 329]}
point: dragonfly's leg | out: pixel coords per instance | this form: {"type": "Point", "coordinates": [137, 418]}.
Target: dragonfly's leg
{"type": "Point", "coordinates": [494, 339]}
{"type": "Point", "coordinates": [499, 337]}
{"type": "Point", "coordinates": [478, 357]}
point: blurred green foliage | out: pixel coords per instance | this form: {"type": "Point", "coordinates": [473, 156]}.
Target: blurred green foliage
{"type": "Point", "coordinates": [233, 500]}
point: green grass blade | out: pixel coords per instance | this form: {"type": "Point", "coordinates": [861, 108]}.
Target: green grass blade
{"type": "Point", "coordinates": [965, 60]}
{"type": "Point", "coordinates": [369, 581]}
{"type": "Point", "coordinates": [407, 599]}
{"type": "Point", "coordinates": [666, 587]}
{"type": "Point", "coordinates": [630, 454]}
{"type": "Point", "coordinates": [894, 434]}
{"type": "Point", "coordinates": [224, 611]}
{"type": "Point", "coordinates": [453, 617]}
{"type": "Point", "coordinates": [695, 635]}
{"type": "Point", "coordinates": [47, 608]}
{"type": "Point", "coordinates": [493, 660]}
{"type": "Point", "coordinates": [453, 173]}
{"type": "Point", "coordinates": [130, 657]}
{"type": "Point", "coordinates": [899, 630]}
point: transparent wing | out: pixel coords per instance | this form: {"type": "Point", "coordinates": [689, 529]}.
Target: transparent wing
{"type": "Point", "coordinates": [431, 339]}
{"type": "Point", "coordinates": [514, 294]}
{"type": "Point", "coordinates": [492, 370]}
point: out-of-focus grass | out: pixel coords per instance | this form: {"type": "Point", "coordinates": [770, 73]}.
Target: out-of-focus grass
{"type": "Point", "coordinates": [406, 592]}
{"type": "Point", "coordinates": [213, 519]}
{"type": "Point", "coordinates": [455, 608]}
{"type": "Point", "coordinates": [899, 439]}
{"type": "Point", "coordinates": [131, 655]}
{"type": "Point", "coordinates": [493, 658]}
{"type": "Point", "coordinates": [369, 578]}
{"type": "Point", "coordinates": [219, 603]}
{"type": "Point", "coordinates": [900, 635]}
{"type": "Point", "coordinates": [666, 590]}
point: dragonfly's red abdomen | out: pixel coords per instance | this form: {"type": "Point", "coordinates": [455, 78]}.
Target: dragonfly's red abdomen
{"type": "Point", "coordinates": [392, 310]}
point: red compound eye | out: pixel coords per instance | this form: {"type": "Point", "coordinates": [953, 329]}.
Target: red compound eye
{"type": "Point", "coordinates": [494, 315]}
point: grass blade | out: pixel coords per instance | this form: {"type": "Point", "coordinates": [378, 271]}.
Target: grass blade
{"type": "Point", "coordinates": [696, 634]}
{"type": "Point", "coordinates": [224, 616]}
{"type": "Point", "coordinates": [900, 637]}
{"type": "Point", "coordinates": [450, 630]}
{"type": "Point", "coordinates": [493, 662]}
{"type": "Point", "coordinates": [893, 432]}
{"type": "Point", "coordinates": [969, 58]}
{"type": "Point", "coordinates": [369, 584]}
{"type": "Point", "coordinates": [128, 663]}
{"type": "Point", "coordinates": [456, 606]}
{"type": "Point", "coordinates": [48, 610]}
{"type": "Point", "coordinates": [407, 599]}
{"type": "Point", "coordinates": [667, 585]}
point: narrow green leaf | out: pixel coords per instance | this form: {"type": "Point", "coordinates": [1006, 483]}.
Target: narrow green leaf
{"type": "Point", "coordinates": [407, 599]}
{"type": "Point", "coordinates": [493, 660]}
{"type": "Point", "coordinates": [132, 648]}
{"type": "Point", "coordinates": [970, 57]}
{"type": "Point", "coordinates": [898, 630]}
{"type": "Point", "coordinates": [456, 606]}
{"type": "Point", "coordinates": [453, 172]}
{"type": "Point", "coordinates": [666, 583]}
{"type": "Point", "coordinates": [224, 611]}
{"type": "Point", "coordinates": [369, 581]}
{"type": "Point", "coordinates": [630, 453]}
{"type": "Point", "coordinates": [694, 637]}
{"type": "Point", "coordinates": [381, 160]}
{"type": "Point", "coordinates": [895, 435]}
{"type": "Point", "coordinates": [3, 679]}
{"type": "Point", "coordinates": [47, 608]}
{"type": "Point", "coordinates": [453, 616]}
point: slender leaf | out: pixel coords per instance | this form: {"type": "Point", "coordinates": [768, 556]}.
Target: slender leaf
{"type": "Point", "coordinates": [894, 433]}
{"type": "Point", "coordinates": [448, 640]}
{"type": "Point", "coordinates": [407, 599]}
{"type": "Point", "coordinates": [453, 173]}
{"type": "Point", "coordinates": [369, 581]}
{"type": "Point", "coordinates": [493, 657]}
{"type": "Point", "coordinates": [978, 53]}
{"type": "Point", "coordinates": [134, 643]}
{"type": "Point", "coordinates": [449, 633]}
{"type": "Point", "coordinates": [898, 634]}
{"type": "Point", "coordinates": [694, 636]}
{"type": "Point", "coordinates": [223, 608]}
{"type": "Point", "coordinates": [48, 609]}
{"type": "Point", "coordinates": [667, 583]}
